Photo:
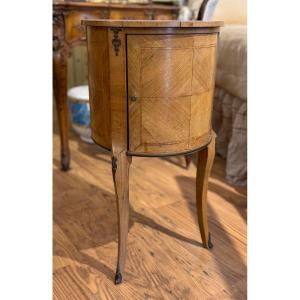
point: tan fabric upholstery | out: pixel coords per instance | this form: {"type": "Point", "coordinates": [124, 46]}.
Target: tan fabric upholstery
{"type": "Point", "coordinates": [232, 60]}
{"type": "Point", "coordinates": [230, 103]}
{"type": "Point", "coordinates": [230, 124]}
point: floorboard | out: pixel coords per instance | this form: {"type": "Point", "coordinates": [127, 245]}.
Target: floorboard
{"type": "Point", "coordinates": [165, 258]}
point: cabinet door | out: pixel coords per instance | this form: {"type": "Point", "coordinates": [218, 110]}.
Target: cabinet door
{"type": "Point", "coordinates": [170, 86]}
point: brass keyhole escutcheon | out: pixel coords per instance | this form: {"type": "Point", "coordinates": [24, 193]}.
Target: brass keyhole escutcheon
{"type": "Point", "coordinates": [133, 98]}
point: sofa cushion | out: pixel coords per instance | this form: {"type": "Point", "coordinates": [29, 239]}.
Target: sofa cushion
{"type": "Point", "coordinates": [232, 60]}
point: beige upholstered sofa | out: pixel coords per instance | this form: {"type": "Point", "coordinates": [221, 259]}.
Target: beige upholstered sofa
{"type": "Point", "coordinates": [230, 102]}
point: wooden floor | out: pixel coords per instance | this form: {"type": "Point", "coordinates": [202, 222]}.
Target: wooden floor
{"type": "Point", "coordinates": [165, 258]}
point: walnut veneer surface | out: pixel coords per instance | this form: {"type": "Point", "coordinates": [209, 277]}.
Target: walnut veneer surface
{"type": "Point", "coordinates": [165, 70]}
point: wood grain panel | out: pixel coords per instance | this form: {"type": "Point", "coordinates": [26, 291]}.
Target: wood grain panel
{"type": "Point", "coordinates": [171, 78]}
{"type": "Point", "coordinates": [98, 66]}
{"type": "Point", "coordinates": [128, 15]}
{"type": "Point", "coordinates": [160, 41]}
{"type": "Point", "coordinates": [205, 40]}
{"type": "Point", "coordinates": [171, 114]}
{"type": "Point", "coordinates": [118, 95]}
{"type": "Point", "coordinates": [203, 71]}
{"type": "Point", "coordinates": [165, 72]}
{"type": "Point", "coordinates": [201, 108]}
{"type": "Point", "coordinates": [135, 140]}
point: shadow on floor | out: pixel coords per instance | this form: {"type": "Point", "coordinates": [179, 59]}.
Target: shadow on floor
{"type": "Point", "coordinates": [187, 186]}
{"type": "Point", "coordinates": [87, 216]}
{"type": "Point", "coordinates": [89, 219]}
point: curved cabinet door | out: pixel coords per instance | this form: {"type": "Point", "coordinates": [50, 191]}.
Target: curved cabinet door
{"type": "Point", "coordinates": [170, 89]}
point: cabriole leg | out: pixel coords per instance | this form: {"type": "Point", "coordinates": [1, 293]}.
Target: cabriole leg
{"type": "Point", "coordinates": [120, 170]}
{"type": "Point", "coordinates": [60, 93]}
{"type": "Point", "coordinates": [204, 165]}
{"type": "Point", "coordinates": [188, 160]}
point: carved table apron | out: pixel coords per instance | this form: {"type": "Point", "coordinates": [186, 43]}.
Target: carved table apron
{"type": "Point", "coordinates": [68, 31]}
{"type": "Point", "coordinates": [151, 89]}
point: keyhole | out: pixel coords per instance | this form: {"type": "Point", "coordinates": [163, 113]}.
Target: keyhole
{"type": "Point", "coordinates": [133, 98]}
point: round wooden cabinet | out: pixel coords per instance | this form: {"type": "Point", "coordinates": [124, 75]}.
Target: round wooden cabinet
{"type": "Point", "coordinates": [151, 89]}
{"type": "Point", "coordinates": [155, 81]}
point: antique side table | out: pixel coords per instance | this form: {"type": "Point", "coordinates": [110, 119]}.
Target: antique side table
{"type": "Point", "coordinates": [151, 89]}
{"type": "Point", "coordinates": [68, 32]}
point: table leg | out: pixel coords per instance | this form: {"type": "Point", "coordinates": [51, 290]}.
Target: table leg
{"type": "Point", "coordinates": [120, 170]}
{"type": "Point", "coordinates": [188, 160]}
{"type": "Point", "coordinates": [60, 93]}
{"type": "Point", "coordinates": [204, 165]}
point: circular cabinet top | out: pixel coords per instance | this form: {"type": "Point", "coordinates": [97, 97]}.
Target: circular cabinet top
{"type": "Point", "coordinates": [151, 23]}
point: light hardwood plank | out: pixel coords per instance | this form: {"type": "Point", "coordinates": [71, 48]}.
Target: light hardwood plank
{"type": "Point", "coordinates": [165, 258]}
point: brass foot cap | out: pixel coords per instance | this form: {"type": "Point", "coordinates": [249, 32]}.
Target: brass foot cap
{"type": "Point", "coordinates": [118, 278]}
{"type": "Point", "coordinates": [210, 244]}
